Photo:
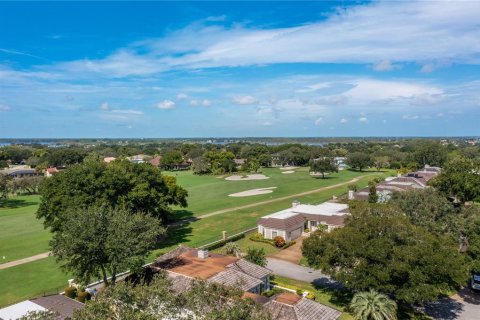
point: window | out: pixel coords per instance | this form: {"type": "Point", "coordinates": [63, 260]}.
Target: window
{"type": "Point", "coordinates": [313, 223]}
{"type": "Point", "coordinates": [274, 234]}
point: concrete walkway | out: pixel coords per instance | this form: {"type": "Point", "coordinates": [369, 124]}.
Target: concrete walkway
{"type": "Point", "coordinates": [24, 260]}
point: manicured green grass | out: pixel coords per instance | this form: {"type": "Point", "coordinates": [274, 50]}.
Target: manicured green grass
{"type": "Point", "coordinates": [34, 278]}
{"type": "Point", "coordinates": [21, 234]}
{"type": "Point", "coordinates": [246, 243]}
{"type": "Point", "coordinates": [210, 193]}
{"type": "Point", "coordinates": [334, 298]}
{"type": "Point", "coordinates": [30, 280]}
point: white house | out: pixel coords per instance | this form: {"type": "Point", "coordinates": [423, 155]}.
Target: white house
{"type": "Point", "coordinates": [291, 222]}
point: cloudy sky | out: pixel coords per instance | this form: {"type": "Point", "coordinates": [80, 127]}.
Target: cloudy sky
{"type": "Point", "coordinates": [182, 69]}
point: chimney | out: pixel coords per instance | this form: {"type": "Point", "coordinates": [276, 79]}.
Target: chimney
{"type": "Point", "coordinates": [350, 194]}
{"type": "Point", "coordinates": [295, 203]}
{"type": "Point", "coordinates": [203, 253]}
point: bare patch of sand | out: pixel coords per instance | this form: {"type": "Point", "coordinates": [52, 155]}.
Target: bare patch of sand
{"type": "Point", "coordinates": [237, 177]}
{"type": "Point", "coordinates": [288, 168]}
{"type": "Point", "coordinates": [288, 172]}
{"type": "Point", "coordinates": [252, 192]}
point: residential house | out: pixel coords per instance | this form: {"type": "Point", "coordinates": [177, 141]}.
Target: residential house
{"type": "Point", "coordinates": [156, 161]}
{"type": "Point", "coordinates": [410, 181]}
{"type": "Point", "coordinates": [192, 263]}
{"type": "Point", "coordinates": [51, 171]}
{"type": "Point", "coordinates": [57, 303]}
{"type": "Point", "coordinates": [139, 158]}
{"type": "Point", "coordinates": [290, 223]}
{"type": "Point", "coordinates": [20, 172]}
{"type": "Point", "coordinates": [340, 162]}
{"type": "Point", "coordinates": [109, 159]}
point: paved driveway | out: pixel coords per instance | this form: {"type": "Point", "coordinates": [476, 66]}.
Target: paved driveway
{"type": "Point", "coordinates": [298, 272]}
{"type": "Point", "coordinates": [463, 306]}
{"type": "Point", "coordinates": [291, 254]}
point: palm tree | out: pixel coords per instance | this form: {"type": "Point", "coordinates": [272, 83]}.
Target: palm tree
{"type": "Point", "coordinates": [371, 305]}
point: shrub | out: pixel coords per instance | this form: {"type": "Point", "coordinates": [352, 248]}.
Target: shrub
{"type": "Point", "coordinates": [257, 236]}
{"type": "Point", "coordinates": [353, 187]}
{"type": "Point", "coordinates": [71, 292]}
{"type": "Point", "coordinates": [279, 241]}
{"type": "Point", "coordinates": [307, 230]}
{"type": "Point", "coordinates": [231, 248]}
{"type": "Point", "coordinates": [311, 296]}
{"type": "Point", "coordinates": [83, 296]}
{"type": "Point", "coordinates": [299, 292]}
{"type": "Point", "coordinates": [257, 256]}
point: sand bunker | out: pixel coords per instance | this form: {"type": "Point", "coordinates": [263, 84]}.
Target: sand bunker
{"type": "Point", "coordinates": [289, 168]}
{"type": "Point", "coordinates": [252, 192]}
{"type": "Point", "coordinates": [237, 177]}
{"type": "Point", "coordinates": [288, 172]}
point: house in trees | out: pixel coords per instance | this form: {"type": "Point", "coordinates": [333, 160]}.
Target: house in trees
{"type": "Point", "coordinates": [156, 161]}
{"type": "Point", "coordinates": [290, 223]}
{"type": "Point", "coordinates": [410, 181]}
{"type": "Point", "coordinates": [191, 263]}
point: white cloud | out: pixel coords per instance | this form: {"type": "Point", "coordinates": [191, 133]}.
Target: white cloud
{"type": "Point", "coordinates": [385, 65]}
{"type": "Point", "coordinates": [267, 124]}
{"type": "Point", "coordinates": [4, 107]}
{"type": "Point", "coordinates": [343, 120]}
{"type": "Point", "coordinates": [104, 106]}
{"type": "Point", "coordinates": [182, 96]}
{"type": "Point", "coordinates": [127, 111]}
{"type": "Point", "coordinates": [206, 103]}
{"type": "Point", "coordinates": [318, 121]}
{"type": "Point", "coordinates": [363, 119]}
{"type": "Point", "coordinates": [193, 102]}
{"type": "Point", "coordinates": [410, 117]}
{"type": "Point", "coordinates": [166, 104]}
{"type": "Point", "coordinates": [244, 100]}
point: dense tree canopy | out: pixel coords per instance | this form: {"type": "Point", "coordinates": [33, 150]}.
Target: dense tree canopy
{"type": "Point", "coordinates": [139, 187]}
{"type": "Point", "coordinates": [171, 160]}
{"type": "Point", "coordinates": [158, 300]}
{"type": "Point", "coordinates": [359, 160]}
{"type": "Point", "coordinates": [380, 249]}
{"type": "Point", "coordinates": [323, 165]}
{"type": "Point", "coordinates": [429, 153]}
{"type": "Point", "coordinates": [101, 241]}
{"type": "Point", "coordinates": [459, 179]}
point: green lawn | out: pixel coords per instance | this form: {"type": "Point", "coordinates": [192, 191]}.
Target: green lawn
{"type": "Point", "coordinates": [246, 243]}
{"type": "Point", "coordinates": [210, 193]}
{"type": "Point", "coordinates": [21, 234]}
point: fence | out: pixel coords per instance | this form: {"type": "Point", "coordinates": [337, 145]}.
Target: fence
{"type": "Point", "coordinates": [217, 242]}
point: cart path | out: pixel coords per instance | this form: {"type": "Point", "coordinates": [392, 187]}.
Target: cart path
{"type": "Point", "coordinates": [211, 214]}
{"type": "Point", "coordinates": [24, 260]}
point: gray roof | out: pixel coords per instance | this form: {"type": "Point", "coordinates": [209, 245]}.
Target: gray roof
{"type": "Point", "coordinates": [289, 224]}
{"type": "Point", "coordinates": [231, 277]}
{"type": "Point", "coordinates": [180, 283]}
{"type": "Point", "coordinates": [60, 304]}
{"type": "Point", "coordinates": [175, 253]}
{"type": "Point", "coordinates": [251, 269]}
{"type": "Point", "coordinates": [304, 309]}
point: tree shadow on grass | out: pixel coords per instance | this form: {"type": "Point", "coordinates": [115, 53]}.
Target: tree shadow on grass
{"type": "Point", "coordinates": [176, 235]}
{"type": "Point", "coordinates": [445, 308]}
{"type": "Point", "coordinates": [338, 294]}
{"type": "Point", "coordinates": [182, 214]}
{"type": "Point", "coordinates": [15, 203]}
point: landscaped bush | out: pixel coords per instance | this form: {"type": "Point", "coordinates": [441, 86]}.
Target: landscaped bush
{"type": "Point", "coordinates": [272, 292]}
{"type": "Point", "coordinates": [299, 292]}
{"type": "Point", "coordinates": [83, 296]}
{"type": "Point", "coordinates": [71, 292]}
{"type": "Point", "coordinates": [307, 230]}
{"type": "Point", "coordinates": [311, 296]}
{"type": "Point", "coordinates": [223, 242]}
{"type": "Point", "coordinates": [279, 242]}
{"type": "Point", "coordinates": [231, 248]}
{"type": "Point", "coordinates": [257, 236]}
{"type": "Point", "coordinates": [291, 243]}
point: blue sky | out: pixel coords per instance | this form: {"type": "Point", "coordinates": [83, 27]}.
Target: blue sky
{"type": "Point", "coordinates": [198, 69]}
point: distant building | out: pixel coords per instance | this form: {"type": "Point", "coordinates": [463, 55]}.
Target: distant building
{"type": "Point", "coordinates": [139, 158]}
{"type": "Point", "coordinates": [21, 172]}
{"type": "Point", "coordinates": [290, 223]}
{"type": "Point", "coordinates": [51, 171]}
{"type": "Point", "coordinates": [409, 181]}
{"type": "Point", "coordinates": [340, 162]}
{"type": "Point", "coordinates": [156, 161]}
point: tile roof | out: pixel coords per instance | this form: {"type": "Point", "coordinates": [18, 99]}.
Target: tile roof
{"type": "Point", "coordinates": [232, 277]}
{"type": "Point", "coordinates": [288, 306]}
{"type": "Point", "coordinates": [251, 269]}
{"type": "Point", "coordinates": [60, 304]}
{"type": "Point", "coordinates": [330, 220]}
{"type": "Point", "coordinates": [288, 224]}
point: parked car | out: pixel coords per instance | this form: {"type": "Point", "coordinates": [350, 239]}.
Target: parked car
{"type": "Point", "coordinates": [475, 282]}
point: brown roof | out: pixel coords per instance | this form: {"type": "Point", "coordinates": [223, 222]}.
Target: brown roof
{"type": "Point", "coordinates": [288, 224]}
{"type": "Point", "coordinates": [60, 304]}
{"type": "Point", "coordinates": [288, 306]}
{"type": "Point", "coordinates": [232, 277]}
{"type": "Point", "coordinates": [251, 269]}
{"type": "Point", "coordinates": [185, 261]}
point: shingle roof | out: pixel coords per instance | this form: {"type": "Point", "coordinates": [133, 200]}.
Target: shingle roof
{"type": "Point", "coordinates": [232, 277]}
{"type": "Point", "coordinates": [60, 304]}
{"type": "Point", "coordinates": [330, 220]}
{"type": "Point", "coordinates": [288, 224]}
{"type": "Point", "coordinates": [304, 309]}
{"type": "Point", "coordinates": [251, 269]}
{"type": "Point", "coordinates": [175, 253]}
